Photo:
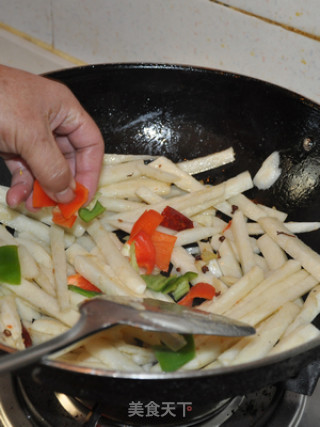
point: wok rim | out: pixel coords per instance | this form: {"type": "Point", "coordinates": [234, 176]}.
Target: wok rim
{"type": "Point", "coordinates": [167, 66]}
{"type": "Point", "coordinates": [199, 373]}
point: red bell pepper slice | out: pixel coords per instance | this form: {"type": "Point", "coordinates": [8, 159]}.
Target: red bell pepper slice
{"type": "Point", "coordinates": [59, 219]}
{"type": "Point", "coordinates": [163, 244]}
{"type": "Point", "coordinates": [145, 251]}
{"type": "Point", "coordinates": [148, 222]}
{"type": "Point", "coordinates": [200, 290]}
{"type": "Point", "coordinates": [71, 208]}
{"type": "Point", "coordinates": [175, 220]}
{"type": "Point", "coordinates": [40, 199]}
{"type": "Point", "coordinates": [83, 283]}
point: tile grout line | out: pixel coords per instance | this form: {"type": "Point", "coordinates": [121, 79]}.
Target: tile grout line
{"type": "Point", "coordinates": [269, 21]}
{"type": "Point", "coordinates": [41, 44]}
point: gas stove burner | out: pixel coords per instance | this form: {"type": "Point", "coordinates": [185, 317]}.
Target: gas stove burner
{"type": "Point", "coordinates": [25, 404]}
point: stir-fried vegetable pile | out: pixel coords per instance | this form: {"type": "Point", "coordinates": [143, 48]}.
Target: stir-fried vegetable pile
{"type": "Point", "coordinates": [155, 231]}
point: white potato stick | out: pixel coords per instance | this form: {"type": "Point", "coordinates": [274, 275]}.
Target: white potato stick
{"type": "Point", "coordinates": [207, 350]}
{"type": "Point", "coordinates": [255, 211]}
{"type": "Point", "coordinates": [28, 266]}
{"type": "Point", "coordinates": [250, 209]}
{"type": "Point", "coordinates": [241, 288]}
{"type": "Point", "coordinates": [94, 269]}
{"type": "Point", "coordinates": [123, 190]}
{"type": "Point", "coordinates": [86, 242]}
{"type": "Point", "coordinates": [225, 207]}
{"type": "Point", "coordinates": [97, 273]}
{"type": "Point", "coordinates": [292, 245]}
{"type": "Point", "coordinates": [111, 174]}
{"type": "Point", "coordinates": [302, 227]}
{"type": "Point", "coordinates": [20, 223]}
{"type": "Point", "coordinates": [226, 357]}
{"type": "Point", "coordinates": [113, 257]}
{"type": "Point", "coordinates": [207, 218]}
{"type": "Point", "coordinates": [269, 172]}
{"type": "Point", "coordinates": [242, 241]}
{"type": "Point", "coordinates": [45, 280]}
{"type": "Point", "coordinates": [250, 301]}
{"type": "Point", "coordinates": [211, 161]}
{"type": "Point", "coordinates": [45, 303]}
{"type": "Point", "coordinates": [191, 235]}
{"type": "Point", "coordinates": [229, 280]}
{"type": "Point", "coordinates": [294, 227]}
{"type": "Point", "coordinates": [148, 196]}
{"type": "Point", "coordinates": [48, 326]}
{"type": "Point", "coordinates": [10, 323]}
{"type": "Point", "coordinates": [273, 254]}
{"type": "Point", "coordinates": [227, 260]}
{"type": "Point", "coordinates": [113, 158]}
{"type": "Point", "coordinates": [185, 181]}
{"type": "Point", "coordinates": [118, 225]}
{"type": "Point", "coordinates": [26, 311]}
{"type": "Point", "coordinates": [198, 208]}
{"type": "Point", "coordinates": [274, 213]}
{"type": "Point", "coordinates": [156, 173]}
{"type": "Point", "coordinates": [261, 343]}
{"type": "Point", "coordinates": [214, 194]}
{"type": "Point", "coordinates": [182, 260]}
{"type": "Point", "coordinates": [261, 262]}
{"type": "Point", "coordinates": [118, 205]}
{"type": "Point", "coordinates": [291, 289]}
{"type": "Point", "coordinates": [59, 263]}
{"type": "Point", "coordinates": [38, 251]}
{"type": "Point", "coordinates": [310, 309]}
{"type": "Point", "coordinates": [254, 229]}
{"type": "Point", "coordinates": [298, 336]}
{"type": "Point", "coordinates": [140, 355]}
{"type": "Point", "coordinates": [109, 355]}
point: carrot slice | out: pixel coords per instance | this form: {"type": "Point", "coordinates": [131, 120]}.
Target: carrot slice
{"type": "Point", "coordinates": [59, 219]}
{"type": "Point", "coordinates": [81, 196]}
{"type": "Point", "coordinates": [163, 244]}
{"type": "Point", "coordinates": [200, 290]}
{"type": "Point", "coordinates": [147, 222]}
{"type": "Point", "coordinates": [82, 282]}
{"type": "Point", "coordinates": [40, 199]}
{"type": "Point", "coordinates": [145, 251]}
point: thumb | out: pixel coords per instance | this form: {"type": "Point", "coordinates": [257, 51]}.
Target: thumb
{"type": "Point", "coordinates": [49, 166]}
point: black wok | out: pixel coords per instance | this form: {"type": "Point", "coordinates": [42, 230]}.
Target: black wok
{"type": "Point", "coordinates": [184, 112]}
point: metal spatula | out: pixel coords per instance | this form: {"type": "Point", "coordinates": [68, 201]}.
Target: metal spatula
{"type": "Point", "coordinates": [153, 315]}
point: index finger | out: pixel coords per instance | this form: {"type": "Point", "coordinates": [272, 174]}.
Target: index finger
{"type": "Point", "coordinates": [86, 139]}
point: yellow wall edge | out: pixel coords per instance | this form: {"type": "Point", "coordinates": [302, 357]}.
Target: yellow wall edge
{"type": "Point", "coordinates": [41, 44]}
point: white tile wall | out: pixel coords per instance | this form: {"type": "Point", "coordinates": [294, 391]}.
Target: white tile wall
{"type": "Point", "coordinates": [195, 32]}
{"type": "Point", "coordinates": [19, 53]}
{"type": "Point", "coordinates": [33, 17]}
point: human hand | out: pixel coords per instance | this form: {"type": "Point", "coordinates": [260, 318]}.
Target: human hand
{"type": "Point", "coordinates": [45, 134]}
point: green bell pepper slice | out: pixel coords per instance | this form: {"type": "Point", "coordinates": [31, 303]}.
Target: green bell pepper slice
{"type": "Point", "coordinates": [10, 271]}
{"type": "Point", "coordinates": [84, 292]}
{"type": "Point", "coordinates": [170, 360]}
{"type": "Point", "coordinates": [88, 215]}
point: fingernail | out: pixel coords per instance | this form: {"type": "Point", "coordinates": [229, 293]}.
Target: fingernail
{"type": "Point", "coordinates": [73, 184]}
{"type": "Point", "coordinates": [65, 196]}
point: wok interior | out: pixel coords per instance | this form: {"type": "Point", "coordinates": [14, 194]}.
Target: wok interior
{"type": "Point", "coordinates": [183, 112]}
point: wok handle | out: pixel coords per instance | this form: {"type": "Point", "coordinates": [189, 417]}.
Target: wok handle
{"type": "Point", "coordinates": [31, 355]}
